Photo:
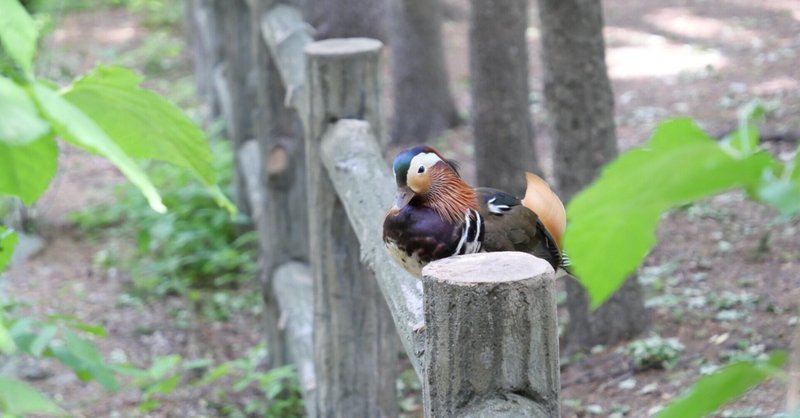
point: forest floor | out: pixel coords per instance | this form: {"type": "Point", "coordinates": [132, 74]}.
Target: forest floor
{"type": "Point", "coordinates": [724, 279]}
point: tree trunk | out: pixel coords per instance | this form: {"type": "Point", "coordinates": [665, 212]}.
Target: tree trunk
{"type": "Point", "coordinates": [347, 18]}
{"type": "Point", "coordinates": [423, 104]}
{"type": "Point", "coordinates": [501, 118]}
{"type": "Point", "coordinates": [580, 105]}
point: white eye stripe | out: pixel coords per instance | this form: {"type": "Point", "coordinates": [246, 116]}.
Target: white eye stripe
{"type": "Point", "coordinates": [425, 159]}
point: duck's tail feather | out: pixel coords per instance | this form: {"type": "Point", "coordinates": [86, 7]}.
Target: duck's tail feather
{"type": "Point", "coordinates": [548, 207]}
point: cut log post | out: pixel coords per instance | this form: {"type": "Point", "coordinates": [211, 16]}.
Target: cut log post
{"type": "Point", "coordinates": [236, 38]}
{"type": "Point", "coordinates": [289, 321]}
{"type": "Point", "coordinates": [204, 41]}
{"type": "Point", "coordinates": [354, 338]}
{"type": "Point", "coordinates": [292, 286]}
{"type": "Point", "coordinates": [281, 215]}
{"type": "Point", "coordinates": [491, 343]}
{"type": "Point", "coordinates": [364, 183]}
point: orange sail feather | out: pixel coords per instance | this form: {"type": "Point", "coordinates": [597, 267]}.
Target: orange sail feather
{"type": "Point", "coordinates": [543, 201]}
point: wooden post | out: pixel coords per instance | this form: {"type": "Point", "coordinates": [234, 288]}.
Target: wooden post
{"type": "Point", "coordinates": [281, 213]}
{"type": "Point", "coordinates": [204, 42]}
{"type": "Point", "coordinates": [237, 86]}
{"type": "Point", "coordinates": [364, 183]}
{"type": "Point", "coordinates": [354, 339]}
{"type": "Point", "coordinates": [491, 343]}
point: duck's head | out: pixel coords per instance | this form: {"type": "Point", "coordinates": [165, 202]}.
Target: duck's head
{"type": "Point", "coordinates": [416, 172]}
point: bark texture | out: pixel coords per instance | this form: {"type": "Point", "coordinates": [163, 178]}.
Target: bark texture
{"type": "Point", "coordinates": [348, 18]}
{"type": "Point", "coordinates": [491, 332]}
{"type": "Point", "coordinates": [423, 104]}
{"type": "Point", "coordinates": [354, 338]}
{"type": "Point", "coordinates": [580, 105]}
{"type": "Point", "coordinates": [500, 110]}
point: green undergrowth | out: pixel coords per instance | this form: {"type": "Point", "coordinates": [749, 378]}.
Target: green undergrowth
{"type": "Point", "coordinates": [196, 249]}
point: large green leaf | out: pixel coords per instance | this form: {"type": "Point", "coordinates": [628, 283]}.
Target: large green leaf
{"type": "Point", "coordinates": [613, 222]}
{"type": "Point", "coordinates": [26, 170]}
{"type": "Point", "coordinates": [19, 119]}
{"type": "Point", "coordinates": [142, 123]}
{"type": "Point", "coordinates": [8, 241]}
{"type": "Point", "coordinates": [18, 34]}
{"type": "Point", "coordinates": [715, 390]}
{"type": "Point", "coordinates": [77, 128]}
{"type": "Point", "coordinates": [19, 399]}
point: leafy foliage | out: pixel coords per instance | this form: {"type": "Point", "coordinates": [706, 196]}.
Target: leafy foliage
{"type": "Point", "coordinates": [110, 103]}
{"type": "Point", "coordinates": [278, 388]}
{"type": "Point", "coordinates": [18, 35]}
{"type": "Point", "coordinates": [19, 399]}
{"type": "Point", "coordinates": [8, 241]}
{"type": "Point", "coordinates": [713, 391]}
{"type": "Point", "coordinates": [26, 170]}
{"type": "Point", "coordinates": [129, 113]}
{"type": "Point", "coordinates": [19, 120]}
{"type": "Point", "coordinates": [655, 352]}
{"type": "Point", "coordinates": [195, 246]}
{"type": "Point", "coordinates": [613, 222]}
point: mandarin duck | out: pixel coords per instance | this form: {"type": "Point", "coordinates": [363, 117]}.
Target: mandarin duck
{"type": "Point", "coordinates": [436, 214]}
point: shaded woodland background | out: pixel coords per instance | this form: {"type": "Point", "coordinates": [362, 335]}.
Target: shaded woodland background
{"type": "Point", "coordinates": [723, 281]}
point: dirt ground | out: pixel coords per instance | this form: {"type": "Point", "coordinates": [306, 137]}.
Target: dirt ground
{"type": "Point", "coordinates": [724, 278]}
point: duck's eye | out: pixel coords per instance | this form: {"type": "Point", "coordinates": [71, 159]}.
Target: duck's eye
{"type": "Point", "coordinates": [421, 169]}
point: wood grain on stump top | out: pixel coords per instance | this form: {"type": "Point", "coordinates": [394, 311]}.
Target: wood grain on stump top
{"type": "Point", "coordinates": [494, 267]}
{"type": "Point", "coordinates": [344, 46]}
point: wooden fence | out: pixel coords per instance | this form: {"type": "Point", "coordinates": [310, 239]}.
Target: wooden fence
{"type": "Point", "coordinates": [480, 331]}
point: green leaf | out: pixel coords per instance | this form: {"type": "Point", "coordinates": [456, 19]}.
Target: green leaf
{"type": "Point", "coordinates": [17, 398]}
{"type": "Point", "coordinates": [163, 365]}
{"type": "Point", "coordinates": [18, 34]}
{"type": "Point", "coordinates": [612, 223]}
{"type": "Point", "coordinates": [82, 357]}
{"type": "Point", "coordinates": [77, 128]}
{"type": "Point", "coordinates": [142, 123]}
{"type": "Point", "coordinates": [8, 241]}
{"type": "Point", "coordinates": [26, 170]}
{"type": "Point", "coordinates": [715, 390]}
{"type": "Point", "coordinates": [75, 323]}
{"type": "Point", "coordinates": [783, 191]}
{"type": "Point", "coordinates": [42, 339]}
{"type": "Point", "coordinates": [19, 119]}
{"type": "Point", "coordinates": [7, 345]}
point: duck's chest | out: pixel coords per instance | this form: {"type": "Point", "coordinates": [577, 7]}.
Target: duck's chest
{"type": "Point", "coordinates": [417, 235]}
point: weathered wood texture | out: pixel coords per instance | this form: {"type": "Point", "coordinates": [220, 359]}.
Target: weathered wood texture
{"type": "Point", "coordinates": [491, 333]}
{"type": "Point", "coordinates": [354, 339]}
{"type": "Point", "coordinates": [292, 285]}
{"type": "Point", "coordinates": [286, 35]}
{"type": "Point", "coordinates": [281, 214]}
{"type": "Point", "coordinates": [364, 183]}
{"type": "Point", "coordinates": [234, 81]}
{"type": "Point", "coordinates": [204, 42]}
{"type": "Point", "coordinates": [289, 320]}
